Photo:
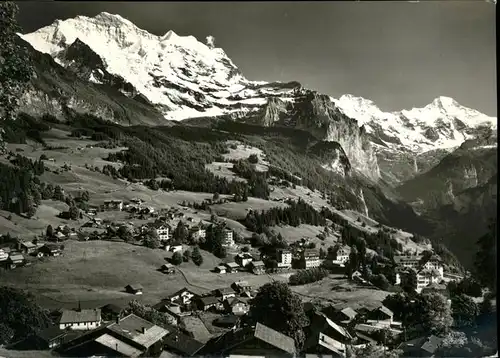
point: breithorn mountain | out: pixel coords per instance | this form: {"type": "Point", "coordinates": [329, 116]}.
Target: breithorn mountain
{"type": "Point", "coordinates": [183, 78]}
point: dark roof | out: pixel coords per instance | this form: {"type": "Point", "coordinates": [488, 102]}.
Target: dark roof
{"type": "Point", "coordinates": [111, 307]}
{"type": "Point", "coordinates": [51, 333]}
{"type": "Point", "coordinates": [184, 289]}
{"type": "Point", "coordinates": [229, 320]}
{"type": "Point", "coordinates": [349, 312]}
{"type": "Point", "coordinates": [226, 290]}
{"type": "Point", "coordinates": [311, 252]}
{"type": "Point", "coordinates": [385, 310]}
{"type": "Point", "coordinates": [52, 247]}
{"type": "Point", "coordinates": [70, 316]}
{"type": "Point", "coordinates": [182, 343]}
{"type": "Point", "coordinates": [234, 301]}
{"type": "Point", "coordinates": [428, 344]}
{"type": "Point", "coordinates": [274, 338]}
{"type": "Point", "coordinates": [135, 287]}
{"type": "Point", "coordinates": [132, 327]}
{"type": "Point", "coordinates": [209, 300]}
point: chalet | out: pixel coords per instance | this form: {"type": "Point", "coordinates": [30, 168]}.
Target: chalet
{"type": "Point", "coordinates": [168, 268]}
{"type": "Point", "coordinates": [195, 328]}
{"type": "Point", "coordinates": [243, 259]}
{"type": "Point", "coordinates": [241, 286]}
{"type": "Point", "coordinates": [419, 262]}
{"type": "Point", "coordinates": [342, 255]}
{"type": "Point", "coordinates": [232, 267]}
{"type": "Point", "coordinates": [81, 319]}
{"type": "Point", "coordinates": [236, 306]}
{"type": "Point", "coordinates": [59, 236]}
{"type": "Point", "coordinates": [426, 277]}
{"type": "Point", "coordinates": [92, 212]}
{"type": "Point", "coordinates": [172, 310]}
{"type": "Point", "coordinates": [162, 230]}
{"type": "Point", "coordinates": [220, 269]}
{"type": "Point", "coordinates": [258, 267]}
{"type": "Point", "coordinates": [420, 347]}
{"type": "Point", "coordinates": [49, 250]}
{"type": "Point", "coordinates": [380, 315]}
{"type": "Point", "coordinates": [50, 338]}
{"type": "Point", "coordinates": [182, 344]}
{"type": "Point", "coordinates": [326, 337]}
{"type": "Point", "coordinates": [225, 293]}
{"type": "Point", "coordinates": [371, 333]}
{"type": "Point", "coordinates": [113, 205]}
{"type": "Point", "coordinates": [3, 255]}
{"type": "Point", "coordinates": [135, 289]}
{"type": "Point", "coordinates": [228, 240]}
{"type": "Point", "coordinates": [182, 297]}
{"type": "Point", "coordinates": [15, 260]}
{"type": "Point", "coordinates": [27, 247]}
{"type": "Point", "coordinates": [173, 248]}
{"type": "Point", "coordinates": [341, 315]}
{"type": "Point", "coordinates": [228, 321]}
{"type": "Point", "coordinates": [284, 258]}
{"type": "Point", "coordinates": [206, 303]}
{"type": "Point", "coordinates": [198, 233]}
{"type": "Point", "coordinates": [130, 336]}
{"type": "Point", "coordinates": [310, 258]}
{"type": "Point", "coordinates": [259, 340]}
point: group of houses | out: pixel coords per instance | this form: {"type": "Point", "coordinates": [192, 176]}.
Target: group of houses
{"type": "Point", "coordinates": [428, 269]}
{"type": "Point", "coordinates": [15, 256]}
{"type": "Point", "coordinates": [111, 330]}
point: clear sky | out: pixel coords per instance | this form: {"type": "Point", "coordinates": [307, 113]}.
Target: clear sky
{"type": "Point", "coordinates": [398, 54]}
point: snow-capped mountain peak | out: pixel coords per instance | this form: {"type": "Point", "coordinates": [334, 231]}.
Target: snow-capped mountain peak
{"type": "Point", "coordinates": [442, 124]}
{"type": "Point", "coordinates": [184, 77]}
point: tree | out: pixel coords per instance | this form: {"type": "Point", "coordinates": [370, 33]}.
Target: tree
{"type": "Point", "coordinates": [30, 209]}
{"type": "Point", "coordinates": [15, 63]}
{"type": "Point", "coordinates": [277, 307]}
{"type": "Point", "coordinates": [409, 281]}
{"type": "Point", "coordinates": [152, 240]}
{"type": "Point", "coordinates": [176, 258]}
{"type": "Point", "coordinates": [74, 212]}
{"type": "Point", "coordinates": [216, 196]}
{"type": "Point", "coordinates": [485, 263]}
{"type": "Point", "coordinates": [465, 310]}
{"type": "Point", "coordinates": [181, 233]}
{"type": "Point", "coordinates": [380, 281]}
{"type": "Point", "coordinates": [58, 193]}
{"type": "Point", "coordinates": [124, 233]}
{"type": "Point", "coordinates": [253, 158]}
{"type": "Point", "coordinates": [150, 314]}
{"type": "Point", "coordinates": [433, 312]}
{"type": "Point", "coordinates": [196, 256]}
{"type": "Point", "coordinates": [186, 256]}
{"type": "Point", "coordinates": [374, 351]}
{"type": "Point", "coordinates": [21, 315]}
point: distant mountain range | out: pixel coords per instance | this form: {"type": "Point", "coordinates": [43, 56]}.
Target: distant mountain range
{"type": "Point", "coordinates": [441, 159]}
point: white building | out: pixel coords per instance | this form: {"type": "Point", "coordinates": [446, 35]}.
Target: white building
{"type": "Point", "coordinates": [243, 259]}
{"type": "Point", "coordinates": [342, 255]}
{"type": "Point", "coordinates": [417, 263]}
{"type": "Point", "coordinates": [284, 258]}
{"type": "Point", "coordinates": [310, 258]}
{"type": "Point", "coordinates": [3, 255]}
{"type": "Point", "coordinates": [228, 238]}
{"type": "Point", "coordinates": [80, 319]}
{"type": "Point", "coordinates": [198, 233]}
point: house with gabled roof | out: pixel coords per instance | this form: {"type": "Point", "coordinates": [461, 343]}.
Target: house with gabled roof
{"type": "Point", "coordinates": [80, 319]}
{"type": "Point", "coordinates": [225, 293]}
{"type": "Point", "coordinates": [134, 288]}
{"type": "Point", "coordinates": [420, 347]}
{"type": "Point", "coordinates": [325, 336]}
{"type": "Point", "coordinates": [258, 340]}
{"type": "Point", "coordinates": [183, 296]}
{"type": "Point", "coordinates": [236, 306]}
{"type": "Point", "coordinates": [380, 315]}
{"type": "Point", "coordinates": [15, 259]}
{"type": "Point", "coordinates": [28, 247]}
{"type": "Point", "coordinates": [258, 267]}
{"type": "Point", "coordinates": [207, 302]}
{"type": "Point", "coordinates": [182, 344]}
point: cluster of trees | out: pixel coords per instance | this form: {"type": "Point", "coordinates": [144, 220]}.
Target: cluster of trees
{"type": "Point", "coordinates": [298, 212]}
{"type": "Point", "coordinates": [257, 181]}
{"type": "Point", "coordinates": [468, 286]}
{"type": "Point", "coordinates": [21, 315]}
{"type": "Point", "coordinates": [20, 187]}
{"type": "Point", "coordinates": [150, 314]}
{"type": "Point", "coordinates": [308, 276]}
{"type": "Point", "coordinates": [214, 240]}
{"type": "Point", "coordinates": [421, 314]}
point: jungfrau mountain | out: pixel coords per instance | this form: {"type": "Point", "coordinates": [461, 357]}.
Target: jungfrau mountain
{"type": "Point", "coordinates": [108, 67]}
